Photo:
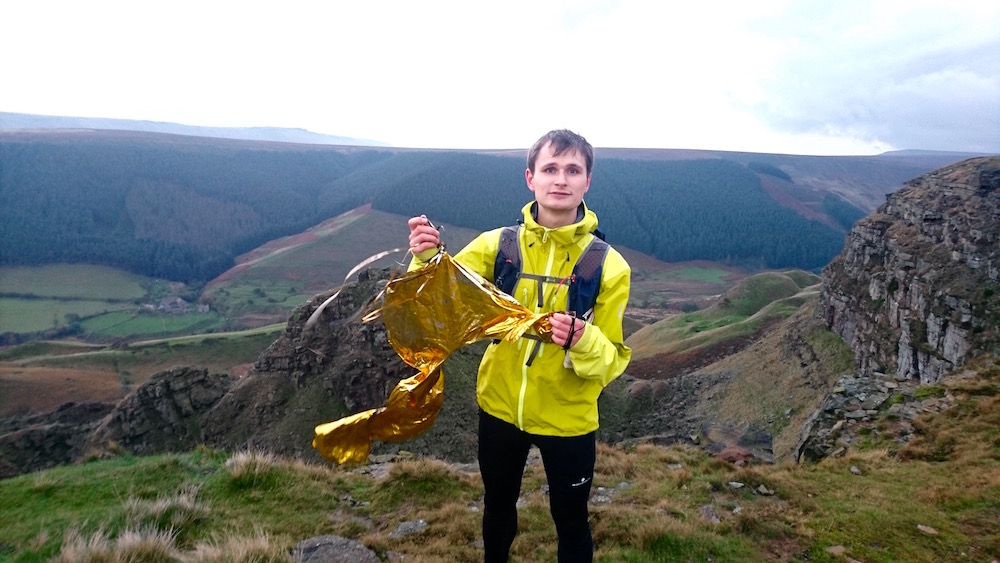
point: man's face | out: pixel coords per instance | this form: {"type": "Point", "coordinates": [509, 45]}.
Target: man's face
{"type": "Point", "coordinates": [558, 183]}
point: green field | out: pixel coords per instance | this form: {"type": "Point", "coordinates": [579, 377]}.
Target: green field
{"type": "Point", "coordinates": [54, 297]}
{"type": "Point", "coordinates": [76, 281]}
{"type": "Point", "coordinates": [94, 302]}
{"type": "Point", "coordinates": [36, 315]}
{"type": "Point", "coordinates": [249, 296]}
{"type": "Point", "coordinates": [129, 324]}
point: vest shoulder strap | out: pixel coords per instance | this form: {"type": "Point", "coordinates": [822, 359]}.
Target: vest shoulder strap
{"type": "Point", "coordinates": [586, 281]}
{"type": "Point", "coordinates": [507, 265]}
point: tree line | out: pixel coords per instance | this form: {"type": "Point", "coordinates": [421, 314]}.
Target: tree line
{"type": "Point", "coordinates": [673, 210]}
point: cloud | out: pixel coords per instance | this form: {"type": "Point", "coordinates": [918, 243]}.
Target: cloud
{"type": "Point", "coordinates": [766, 76]}
{"type": "Point", "coordinates": [904, 74]}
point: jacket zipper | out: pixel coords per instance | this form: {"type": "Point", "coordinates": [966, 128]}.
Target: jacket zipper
{"type": "Point", "coordinates": [541, 345]}
{"type": "Point", "coordinates": [525, 350]}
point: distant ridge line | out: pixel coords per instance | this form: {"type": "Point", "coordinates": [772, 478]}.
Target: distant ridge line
{"type": "Point", "coordinates": [25, 121]}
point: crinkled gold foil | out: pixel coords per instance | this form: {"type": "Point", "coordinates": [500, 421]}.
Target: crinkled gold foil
{"type": "Point", "coordinates": [410, 410]}
{"type": "Point", "coordinates": [428, 314]}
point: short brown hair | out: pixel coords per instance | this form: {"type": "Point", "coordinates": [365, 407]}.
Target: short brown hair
{"type": "Point", "coordinates": [562, 140]}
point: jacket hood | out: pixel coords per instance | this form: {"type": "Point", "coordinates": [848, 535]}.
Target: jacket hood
{"type": "Point", "coordinates": [586, 222]}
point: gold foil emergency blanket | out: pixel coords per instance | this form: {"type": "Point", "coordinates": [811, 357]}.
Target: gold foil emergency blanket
{"type": "Point", "coordinates": [428, 314]}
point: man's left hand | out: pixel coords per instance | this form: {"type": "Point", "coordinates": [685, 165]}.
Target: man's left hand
{"type": "Point", "coordinates": [566, 328]}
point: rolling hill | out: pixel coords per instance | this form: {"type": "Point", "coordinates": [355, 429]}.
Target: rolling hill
{"type": "Point", "coordinates": [183, 208]}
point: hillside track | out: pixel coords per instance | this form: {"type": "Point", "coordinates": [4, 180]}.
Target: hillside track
{"type": "Point", "coordinates": [266, 251]}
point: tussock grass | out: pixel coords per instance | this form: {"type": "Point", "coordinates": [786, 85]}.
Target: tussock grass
{"type": "Point", "coordinates": [256, 548]}
{"type": "Point", "coordinates": [153, 546]}
{"type": "Point", "coordinates": [178, 513]}
{"type": "Point", "coordinates": [252, 469]}
{"type": "Point", "coordinates": [452, 535]}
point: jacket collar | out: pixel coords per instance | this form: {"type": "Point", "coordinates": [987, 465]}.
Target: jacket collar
{"type": "Point", "coordinates": [586, 222]}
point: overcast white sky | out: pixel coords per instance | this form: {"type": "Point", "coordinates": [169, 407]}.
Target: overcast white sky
{"type": "Point", "coordinates": [800, 77]}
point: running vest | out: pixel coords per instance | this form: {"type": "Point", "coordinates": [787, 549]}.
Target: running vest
{"type": "Point", "coordinates": [584, 282]}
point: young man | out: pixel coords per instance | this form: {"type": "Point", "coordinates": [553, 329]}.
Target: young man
{"type": "Point", "coordinates": [545, 394]}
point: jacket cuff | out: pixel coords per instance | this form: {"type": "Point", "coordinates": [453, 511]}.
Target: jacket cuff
{"type": "Point", "coordinates": [586, 341]}
{"type": "Point", "coordinates": [421, 259]}
{"type": "Point", "coordinates": [426, 255]}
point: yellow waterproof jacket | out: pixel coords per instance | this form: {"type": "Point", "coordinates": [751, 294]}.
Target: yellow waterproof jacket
{"type": "Point", "coordinates": [548, 398]}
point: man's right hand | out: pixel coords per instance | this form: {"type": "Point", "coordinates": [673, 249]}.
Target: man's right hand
{"type": "Point", "coordinates": [423, 235]}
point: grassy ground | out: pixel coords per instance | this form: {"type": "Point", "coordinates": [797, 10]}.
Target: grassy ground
{"type": "Point", "coordinates": [649, 504]}
{"type": "Point", "coordinates": [694, 273]}
{"type": "Point", "coordinates": [768, 384]}
{"type": "Point", "coordinates": [934, 499]}
{"type": "Point", "coordinates": [83, 281]}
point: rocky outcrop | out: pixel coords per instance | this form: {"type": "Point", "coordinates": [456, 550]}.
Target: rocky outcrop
{"type": "Point", "coordinates": [916, 295]}
{"type": "Point", "coordinates": [34, 442]}
{"type": "Point", "coordinates": [332, 549]}
{"type": "Point", "coordinates": [164, 414]}
{"type": "Point", "coordinates": [876, 408]}
{"type": "Point", "coordinates": [916, 291]}
{"type": "Point", "coordinates": [340, 367]}
{"type": "Point", "coordinates": [305, 378]}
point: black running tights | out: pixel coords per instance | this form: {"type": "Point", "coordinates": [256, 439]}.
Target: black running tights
{"type": "Point", "coordinates": [569, 469]}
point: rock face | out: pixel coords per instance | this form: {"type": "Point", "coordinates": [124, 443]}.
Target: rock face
{"type": "Point", "coordinates": [165, 414]}
{"type": "Point", "coordinates": [916, 291]}
{"type": "Point", "coordinates": [31, 443]}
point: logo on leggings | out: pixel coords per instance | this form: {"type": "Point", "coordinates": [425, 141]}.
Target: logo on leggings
{"type": "Point", "coordinates": [582, 482]}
